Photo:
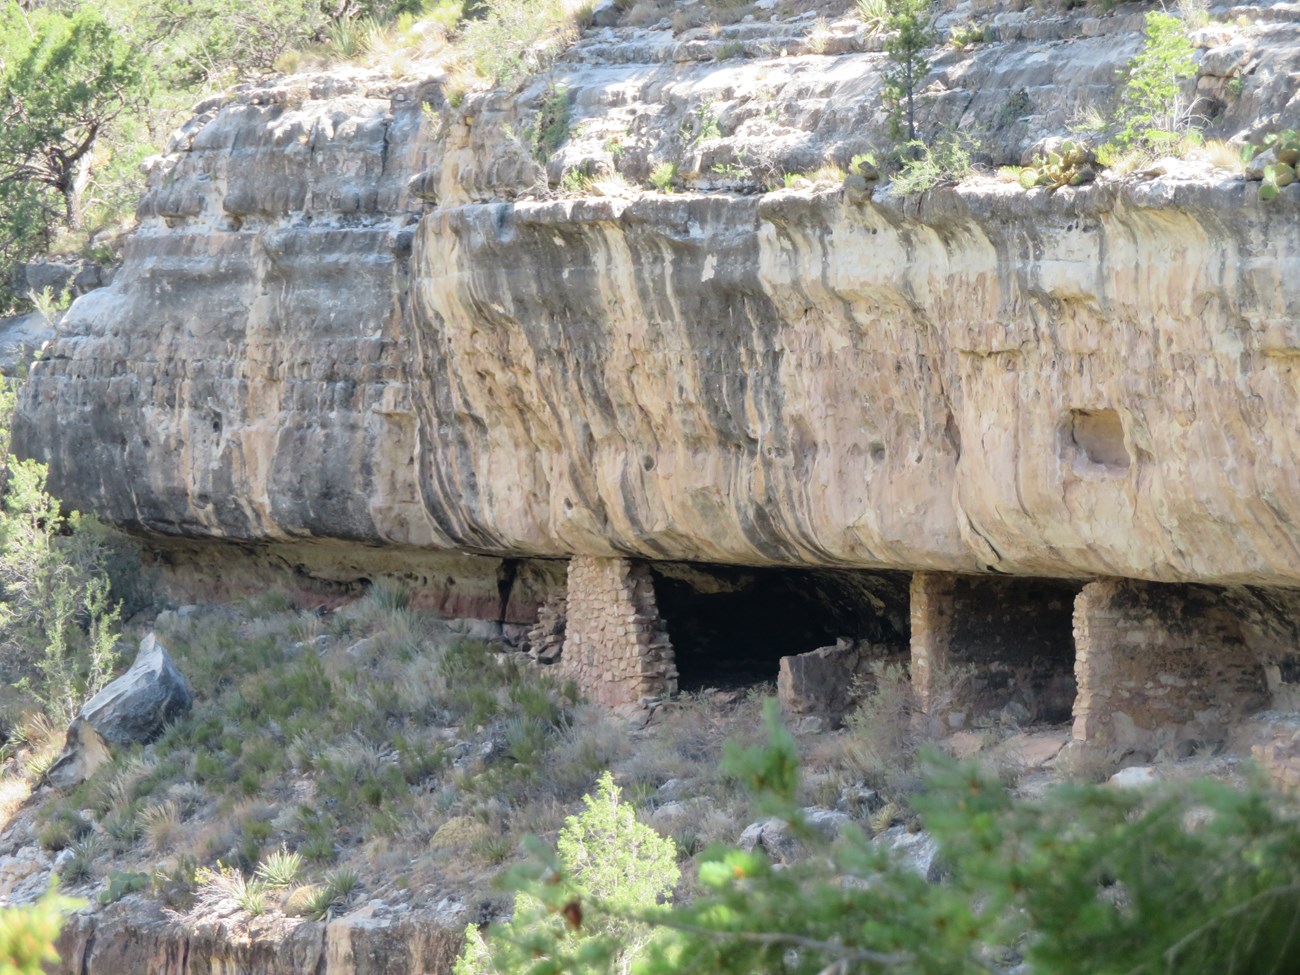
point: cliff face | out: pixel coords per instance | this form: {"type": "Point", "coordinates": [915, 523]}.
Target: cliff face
{"type": "Point", "coordinates": [1097, 383]}
{"type": "Point", "coordinates": [246, 377]}
{"type": "Point", "coordinates": [343, 317]}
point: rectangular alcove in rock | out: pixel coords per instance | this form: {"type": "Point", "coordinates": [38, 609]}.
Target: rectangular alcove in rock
{"type": "Point", "coordinates": [1175, 666]}
{"type": "Point", "coordinates": [988, 648]}
{"type": "Point", "coordinates": [730, 626]}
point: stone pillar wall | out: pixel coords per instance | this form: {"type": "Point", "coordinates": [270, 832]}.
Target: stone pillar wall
{"type": "Point", "coordinates": [933, 606]}
{"type": "Point", "coordinates": [615, 645]}
{"type": "Point", "coordinates": [1160, 665]}
{"type": "Point", "coordinates": [984, 645]}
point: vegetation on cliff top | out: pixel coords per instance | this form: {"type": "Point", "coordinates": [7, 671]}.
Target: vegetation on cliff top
{"type": "Point", "coordinates": [90, 90]}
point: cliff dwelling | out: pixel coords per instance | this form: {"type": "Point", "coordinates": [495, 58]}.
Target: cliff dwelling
{"type": "Point", "coordinates": [482, 419]}
{"type": "Point", "coordinates": [731, 626]}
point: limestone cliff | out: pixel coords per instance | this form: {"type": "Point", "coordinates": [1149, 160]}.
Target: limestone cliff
{"type": "Point", "coordinates": [353, 312]}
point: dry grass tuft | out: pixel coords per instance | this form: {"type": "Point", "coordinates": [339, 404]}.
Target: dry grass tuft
{"type": "Point", "coordinates": [1220, 155]}
{"type": "Point", "coordinates": [160, 822]}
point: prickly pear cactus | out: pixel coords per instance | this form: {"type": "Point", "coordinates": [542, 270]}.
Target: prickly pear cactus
{"type": "Point", "coordinates": [1072, 165]}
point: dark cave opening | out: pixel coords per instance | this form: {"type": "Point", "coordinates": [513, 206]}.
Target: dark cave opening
{"type": "Point", "coordinates": [730, 626]}
{"type": "Point", "coordinates": [1016, 635]}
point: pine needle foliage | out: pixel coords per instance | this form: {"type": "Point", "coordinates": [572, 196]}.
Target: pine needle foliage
{"type": "Point", "coordinates": [910, 33]}
{"type": "Point", "coordinates": [27, 934]}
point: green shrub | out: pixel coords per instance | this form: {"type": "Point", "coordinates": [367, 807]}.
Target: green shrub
{"type": "Point", "coordinates": [27, 934]}
{"type": "Point", "coordinates": [517, 38]}
{"type": "Point", "coordinates": [968, 34]}
{"type": "Point", "coordinates": [1085, 880]}
{"type": "Point", "coordinates": [343, 883]}
{"type": "Point", "coordinates": [663, 176]}
{"type": "Point", "coordinates": [605, 857]}
{"type": "Point", "coordinates": [734, 48]}
{"type": "Point", "coordinates": [319, 849]}
{"type": "Point", "coordinates": [174, 883]}
{"type": "Point", "coordinates": [64, 828]}
{"type": "Point", "coordinates": [58, 628]}
{"type": "Point", "coordinates": [1153, 108]}
{"type": "Point", "coordinates": [81, 866]}
{"type": "Point", "coordinates": [550, 126]}
{"type": "Point", "coordinates": [924, 166]}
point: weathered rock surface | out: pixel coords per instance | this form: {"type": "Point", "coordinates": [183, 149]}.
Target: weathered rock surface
{"type": "Point", "coordinates": [137, 935]}
{"type": "Point", "coordinates": [824, 681]}
{"type": "Point", "coordinates": [20, 338]}
{"type": "Point", "coordinates": [24, 875]}
{"type": "Point", "coordinates": [84, 750]}
{"type": "Point", "coordinates": [341, 320]}
{"type": "Point", "coordinates": [134, 709]}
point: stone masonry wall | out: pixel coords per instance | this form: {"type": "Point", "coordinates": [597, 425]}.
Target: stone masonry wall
{"type": "Point", "coordinates": [982, 646]}
{"type": "Point", "coordinates": [615, 645]}
{"type": "Point", "coordinates": [1160, 665]}
{"type": "Point", "coordinates": [545, 639]}
{"type": "Point", "coordinates": [933, 609]}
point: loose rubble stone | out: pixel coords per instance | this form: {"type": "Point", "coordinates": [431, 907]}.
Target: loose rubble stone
{"type": "Point", "coordinates": [771, 836]}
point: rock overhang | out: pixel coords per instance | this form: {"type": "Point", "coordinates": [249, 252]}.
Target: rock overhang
{"type": "Point", "coordinates": [380, 341]}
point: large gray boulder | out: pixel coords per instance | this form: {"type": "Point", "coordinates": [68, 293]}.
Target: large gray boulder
{"type": "Point", "coordinates": [133, 709]}
{"type": "Point", "coordinates": [138, 705]}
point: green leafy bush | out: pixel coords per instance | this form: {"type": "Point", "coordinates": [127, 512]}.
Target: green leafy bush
{"type": "Point", "coordinates": [517, 38]}
{"type": "Point", "coordinates": [27, 934]}
{"type": "Point", "coordinates": [550, 126]}
{"type": "Point", "coordinates": [924, 166]}
{"type": "Point", "coordinates": [58, 630]}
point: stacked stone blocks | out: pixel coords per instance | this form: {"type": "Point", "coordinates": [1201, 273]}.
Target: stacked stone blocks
{"type": "Point", "coordinates": [989, 648]}
{"type": "Point", "coordinates": [1160, 664]}
{"type": "Point", "coordinates": [615, 646]}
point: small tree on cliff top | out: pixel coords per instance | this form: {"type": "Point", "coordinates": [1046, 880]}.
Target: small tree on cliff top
{"type": "Point", "coordinates": [910, 33]}
{"type": "Point", "coordinates": [1154, 110]}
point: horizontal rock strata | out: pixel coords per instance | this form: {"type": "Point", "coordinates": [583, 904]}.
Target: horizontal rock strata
{"type": "Point", "coordinates": [337, 321]}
